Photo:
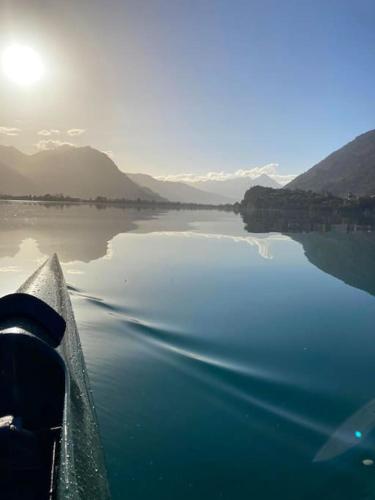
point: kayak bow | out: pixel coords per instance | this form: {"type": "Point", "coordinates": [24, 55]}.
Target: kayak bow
{"type": "Point", "coordinates": [50, 445]}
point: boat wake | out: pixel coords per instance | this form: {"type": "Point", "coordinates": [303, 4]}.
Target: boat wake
{"type": "Point", "coordinates": [260, 393]}
{"type": "Point", "coordinates": [246, 387]}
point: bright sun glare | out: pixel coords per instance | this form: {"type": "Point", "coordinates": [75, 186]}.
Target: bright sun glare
{"type": "Point", "coordinates": [22, 65]}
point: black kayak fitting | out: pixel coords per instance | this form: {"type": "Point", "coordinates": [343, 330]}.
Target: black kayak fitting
{"type": "Point", "coordinates": [50, 446]}
{"type": "Point", "coordinates": [17, 307]}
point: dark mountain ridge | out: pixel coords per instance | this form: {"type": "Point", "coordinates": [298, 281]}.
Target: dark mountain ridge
{"type": "Point", "coordinates": [350, 169]}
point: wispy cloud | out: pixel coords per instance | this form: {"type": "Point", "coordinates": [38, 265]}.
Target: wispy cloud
{"type": "Point", "coordinates": [47, 133]}
{"type": "Point", "coordinates": [271, 170]}
{"type": "Point", "coordinates": [48, 144]}
{"type": "Point", "coordinates": [10, 269]}
{"type": "Point", "coordinates": [10, 131]}
{"type": "Point", "coordinates": [76, 131]}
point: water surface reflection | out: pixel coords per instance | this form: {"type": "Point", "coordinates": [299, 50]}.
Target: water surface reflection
{"type": "Point", "coordinates": [223, 361]}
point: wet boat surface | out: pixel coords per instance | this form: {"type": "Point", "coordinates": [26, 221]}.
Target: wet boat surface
{"type": "Point", "coordinates": [51, 445]}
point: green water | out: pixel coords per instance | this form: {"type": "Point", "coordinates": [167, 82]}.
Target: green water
{"type": "Point", "coordinates": [222, 361]}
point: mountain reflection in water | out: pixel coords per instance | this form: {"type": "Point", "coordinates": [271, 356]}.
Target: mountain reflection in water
{"type": "Point", "coordinates": [83, 232]}
{"type": "Point", "coordinates": [343, 248]}
{"type": "Point", "coordinates": [226, 362]}
{"type": "Point", "coordinates": [75, 232]}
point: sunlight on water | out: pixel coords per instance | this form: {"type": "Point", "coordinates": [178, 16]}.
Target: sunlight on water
{"type": "Point", "coordinates": [224, 364]}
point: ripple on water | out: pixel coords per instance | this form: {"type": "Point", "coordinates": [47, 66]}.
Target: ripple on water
{"type": "Point", "coordinates": [235, 381]}
{"type": "Point", "coordinates": [270, 399]}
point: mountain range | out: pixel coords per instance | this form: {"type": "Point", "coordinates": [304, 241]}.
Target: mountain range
{"type": "Point", "coordinates": [78, 172]}
{"type": "Point", "coordinates": [349, 169]}
{"type": "Point", "coordinates": [85, 172]}
{"type": "Point", "coordinates": [234, 188]}
{"type": "Point", "coordinates": [179, 191]}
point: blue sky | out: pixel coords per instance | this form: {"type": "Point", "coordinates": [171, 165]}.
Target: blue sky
{"type": "Point", "coordinates": [178, 86]}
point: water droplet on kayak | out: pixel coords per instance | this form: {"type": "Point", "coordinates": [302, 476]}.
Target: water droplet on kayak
{"type": "Point", "coordinates": [368, 461]}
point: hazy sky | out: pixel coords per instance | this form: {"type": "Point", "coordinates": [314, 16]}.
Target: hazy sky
{"type": "Point", "coordinates": [190, 86]}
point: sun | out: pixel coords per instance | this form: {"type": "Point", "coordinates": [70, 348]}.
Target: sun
{"type": "Point", "coordinates": [22, 65]}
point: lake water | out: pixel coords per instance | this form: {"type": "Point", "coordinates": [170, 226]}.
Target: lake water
{"type": "Point", "coordinates": [225, 364]}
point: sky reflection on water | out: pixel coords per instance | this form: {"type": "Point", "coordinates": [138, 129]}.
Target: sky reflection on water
{"type": "Point", "coordinates": [222, 361]}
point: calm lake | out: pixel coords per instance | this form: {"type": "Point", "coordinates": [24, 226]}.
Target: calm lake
{"type": "Point", "coordinates": [225, 364]}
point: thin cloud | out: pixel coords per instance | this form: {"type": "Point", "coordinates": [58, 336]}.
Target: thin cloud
{"type": "Point", "coordinates": [284, 179]}
{"type": "Point", "coordinates": [76, 131]}
{"type": "Point", "coordinates": [49, 144]}
{"type": "Point", "coordinates": [47, 133]}
{"type": "Point", "coordinates": [10, 131]}
{"type": "Point", "coordinates": [270, 170]}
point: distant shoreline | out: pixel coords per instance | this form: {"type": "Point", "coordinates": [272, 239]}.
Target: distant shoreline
{"type": "Point", "coordinates": [306, 202]}
{"type": "Point", "coordinates": [119, 203]}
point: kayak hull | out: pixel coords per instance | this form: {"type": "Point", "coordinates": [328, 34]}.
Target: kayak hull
{"type": "Point", "coordinates": [80, 471]}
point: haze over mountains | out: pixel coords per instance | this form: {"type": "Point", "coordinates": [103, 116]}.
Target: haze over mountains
{"type": "Point", "coordinates": [349, 169]}
{"type": "Point", "coordinates": [84, 172]}
{"type": "Point", "coordinates": [235, 188]}
{"type": "Point", "coordinates": [13, 182]}
{"type": "Point", "coordinates": [179, 191]}
{"type": "Point", "coordinates": [77, 172]}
